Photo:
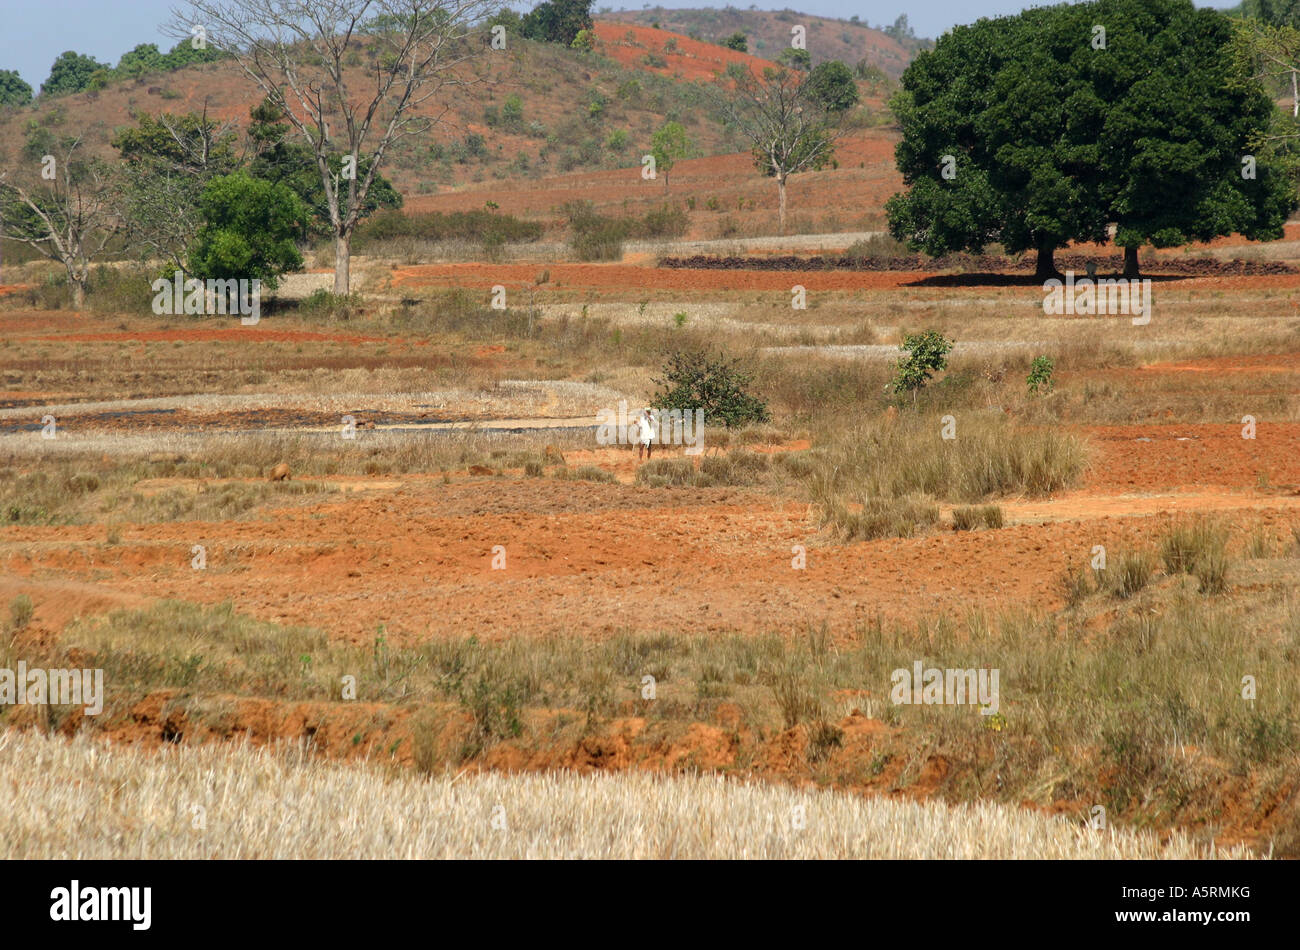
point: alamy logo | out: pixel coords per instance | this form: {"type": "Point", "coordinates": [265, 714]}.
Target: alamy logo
{"type": "Point", "coordinates": [1106, 296]}
{"type": "Point", "coordinates": [936, 687]}
{"type": "Point", "coordinates": [103, 903]}
{"type": "Point", "coordinates": [211, 297]}
{"type": "Point", "coordinates": [38, 687]}
{"type": "Point", "coordinates": [665, 427]}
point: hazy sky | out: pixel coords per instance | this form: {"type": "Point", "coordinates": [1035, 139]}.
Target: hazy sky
{"type": "Point", "coordinates": [34, 32]}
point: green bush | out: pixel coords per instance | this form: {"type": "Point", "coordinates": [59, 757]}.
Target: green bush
{"type": "Point", "coordinates": [698, 380]}
{"type": "Point", "coordinates": [1039, 379]}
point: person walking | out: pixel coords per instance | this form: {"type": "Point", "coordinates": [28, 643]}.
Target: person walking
{"type": "Point", "coordinates": [645, 433]}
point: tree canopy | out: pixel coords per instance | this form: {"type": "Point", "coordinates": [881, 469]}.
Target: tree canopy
{"type": "Point", "coordinates": [249, 230]}
{"type": "Point", "coordinates": [1053, 125]}
{"type": "Point", "coordinates": [71, 72]}
{"type": "Point", "coordinates": [13, 90]}
{"type": "Point", "coordinates": [557, 21]}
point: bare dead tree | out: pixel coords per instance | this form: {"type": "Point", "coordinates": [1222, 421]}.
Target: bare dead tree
{"type": "Point", "coordinates": [299, 54]}
{"type": "Point", "coordinates": [788, 128]}
{"type": "Point", "coordinates": [68, 216]}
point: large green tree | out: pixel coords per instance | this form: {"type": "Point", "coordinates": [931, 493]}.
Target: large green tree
{"type": "Point", "coordinates": [1039, 129]}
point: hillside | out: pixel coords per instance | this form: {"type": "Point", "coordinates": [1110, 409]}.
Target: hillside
{"type": "Point", "coordinates": [769, 33]}
{"type": "Point", "coordinates": [577, 132]}
{"type": "Point", "coordinates": [575, 111]}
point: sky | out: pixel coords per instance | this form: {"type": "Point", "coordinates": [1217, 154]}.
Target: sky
{"type": "Point", "coordinates": [33, 34]}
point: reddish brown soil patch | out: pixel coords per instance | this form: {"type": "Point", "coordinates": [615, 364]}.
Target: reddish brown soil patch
{"type": "Point", "coordinates": [581, 558]}
{"type": "Point", "coordinates": [1161, 457]}
{"type": "Point", "coordinates": [686, 59]}
{"type": "Point", "coordinates": [623, 276]}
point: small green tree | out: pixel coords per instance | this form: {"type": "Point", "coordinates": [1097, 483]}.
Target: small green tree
{"type": "Point", "coordinates": [698, 380]}
{"type": "Point", "coordinates": [1040, 375]}
{"type": "Point", "coordinates": [738, 42]}
{"type": "Point", "coordinates": [248, 232]}
{"type": "Point", "coordinates": [512, 111]}
{"type": "Point", "coordinates": [667, 145]}
{"type": "Point", "coordinates": [927, 354]}
{"type": "Point", "coordinates": [832, 86]}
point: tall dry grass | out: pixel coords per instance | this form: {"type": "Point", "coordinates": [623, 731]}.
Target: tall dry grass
{"type": "Point", "coordinates": [880, 477]}
{"type": "Point", "coordinates": [86, 800]}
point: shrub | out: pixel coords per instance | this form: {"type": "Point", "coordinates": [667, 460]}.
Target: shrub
{"type": "Point", "coordinates": [512, 111]}
{"type": "Point", "coordinates": [908, 456]}
{"type": "Point", "coordinates": [664, 222]}
{"type": "Point", "coordinates": [324, 303]}
{"type": "Point", "coordinates": [1075, 585]}
{"type": "Point", "coordinates": [479, 226]}
{"type": "Point", "coordinates": [122, 290]}
{"type": "Point", "coordinates": [876, 247]}
{"type": "Point", "coordinates": [881, 517]}
{"type": "Point", "coordinates": [696, 380]}
{"type": "Point", "coordinates": [593, 236]}
{"type": "Point", "coordinates": [738, 42]}
{"type": "Point", "coordinates": [1040, 376]}
{"type": "Point", "coordinates": [589, 473]}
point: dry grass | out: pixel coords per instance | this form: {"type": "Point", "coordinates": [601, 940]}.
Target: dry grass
{"type": "Point", "coordinates": [881, 478]}
{"type": "Point", "coordinates": [82, 799]}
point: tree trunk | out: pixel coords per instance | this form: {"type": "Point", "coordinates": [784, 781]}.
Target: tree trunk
{"type": "Point", "coordinates": [780, 190]}
{"type": "Point", "coordinates": [665, 183]}
{"type": "Point", "coordinates": [1046, 266]}
{"type": "Point", "coordinates": [77, 281]}
{"type": "Point", "coordinates": [1131, 270]}
{"type": "Point", "coordinates": [342, 263]}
